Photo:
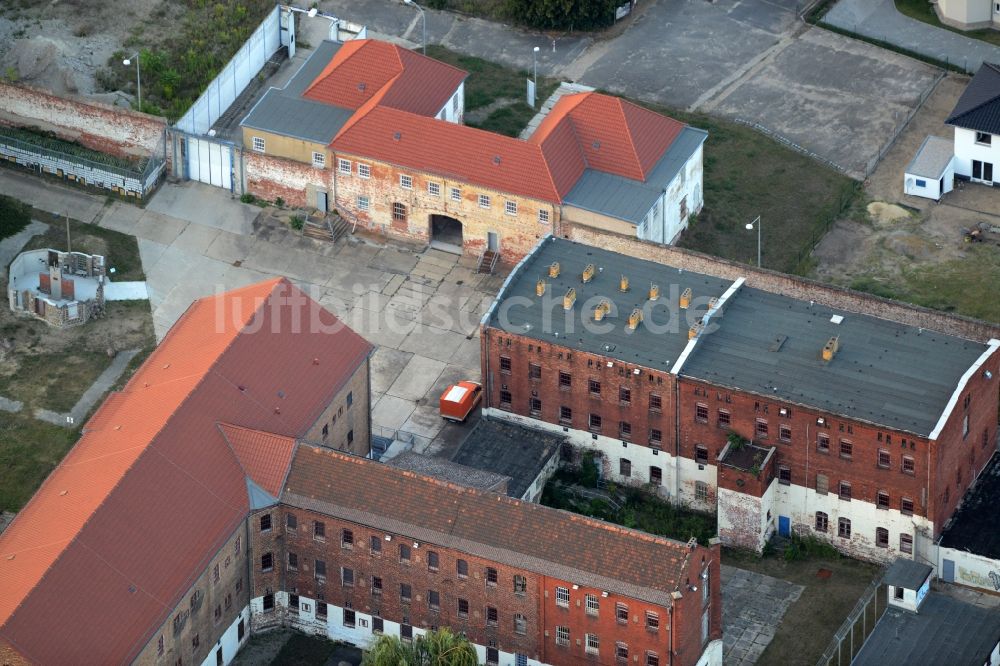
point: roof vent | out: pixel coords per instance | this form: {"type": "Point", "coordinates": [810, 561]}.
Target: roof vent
{"type": "Point", "coordinates": [397, 136]}
{"type": "Point", "coordinates": [554, 269]}
{"type": "Point", "coordinates": [540, 287]}
{"type": "Point", "coordinates": [695, 330]}
{"type": "Point", "coordinates": [831, 347]}
{"type": "Point", "coordinates": [623, 284]}
{"type": "Point", "coordinates": [602, 309]}
{"type": "Point", "coordinates": [315, 361]}
{"type": "Point", "coordinates": [569, 299]}
{"type": "Point", "coordinates": [654, 291]}
{"type": "Point", "coordinates": [712, 302]}
{"type": "Point", "coordinates": [588, 273]}
{"type": "Point", "coordinates": [836, 319]}
{"type": "Point", "coordinates": [634, 319]}
{"type": "Point", "coordinates": [496, 160]}
{"type": "Point", "coordinates": [277, 410]}
{"type": "Point", "coordinates": [362, 86]}
{"type": "Point", "coordinates": [686, 299]}
{"type": "Point", "coordinates": [596, 145]}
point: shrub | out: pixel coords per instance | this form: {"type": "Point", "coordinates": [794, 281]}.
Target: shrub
{"type": "Point", "coordinates": [14, 216]}
{"type": "Point", "coordinates": [248, 198]}
{"type": "Point", "coordinates": [588, 471]}
{"type": "Point", "coordinates": [297, 222]}
{"type": "Point", "coordinates": [279, 202]}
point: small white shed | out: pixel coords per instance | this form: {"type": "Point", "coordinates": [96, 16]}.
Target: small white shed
{"type": "Point", "coordinates": [931, 174]}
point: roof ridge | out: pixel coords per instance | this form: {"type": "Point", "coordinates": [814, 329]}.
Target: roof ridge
{"type": "Point", "coordinates": [628, 135]}
{"type": "Point", "coordinates": [370, 105]}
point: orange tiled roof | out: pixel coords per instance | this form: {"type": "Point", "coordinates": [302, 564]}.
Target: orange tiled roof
{"type": "Point", "coordinates": [264, 456]}
{"type": "Point", "coordinates": [118, 532]}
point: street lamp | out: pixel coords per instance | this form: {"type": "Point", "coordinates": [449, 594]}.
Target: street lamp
{"type": "Point", "coordinates": [423, 20]}
{"type": "Point", "coordinates": [750, 227]}
{"type": "Point", "coordinates": [534, 66]}
{"type": "Point", "coordinates": [138, 81]}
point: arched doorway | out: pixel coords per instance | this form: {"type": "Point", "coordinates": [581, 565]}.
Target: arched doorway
{"type": "Point", "coordinates": [446, 233]}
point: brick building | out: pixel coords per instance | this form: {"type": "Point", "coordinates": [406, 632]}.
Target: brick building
{"type": "Point", "coordinates": [375, 131]}
{"type": "Point", "coordinates": [779, 413]}
{"type": "Point", "coordinates": [135, 549]}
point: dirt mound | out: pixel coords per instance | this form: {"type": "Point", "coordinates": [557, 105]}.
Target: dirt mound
{"type": "Point", "coordinates": [886, 213]}
{"type": "Point", "coordinates": [910, 245]}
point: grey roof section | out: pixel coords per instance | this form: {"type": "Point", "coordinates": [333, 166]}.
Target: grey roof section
{"type": "Point", "coordinates": [258, 497]}
{"type": "Point", "coordinates": [284, 111]}
{"type": "Point", "coordinates": [886, 373]}
{"type": "Point", "coordinates": [627, 199]}
{"type": "Point", "coordinates": [943, 631]}
{"type": "Point", "coordinates": [907, 573]}
{"type": "Point", "coordinates": [979, 106]}
{"type": "Point", "coordinates": [445, 470]}
{"type": "Point", "coordinates": [934, 156]}
{"type": "Point", "coordinates": [658, 340]}
{"type": "Point", "coordinates": [974, 526]}
{"type": "Point", "coordinates": [515, 452]}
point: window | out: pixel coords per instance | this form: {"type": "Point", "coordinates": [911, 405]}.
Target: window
{"type": "Point", "coordinates": [375, 545]}
{"type": "Point", "coordinates": [624, 467]}
{"type": "Point", "coordinates": [492, 656]}
{"type": "Point", "coordinates": [652, 659]}
{"type": "Point", "coordinates": [881, 537]}
{"type": "Point", "coordinates": [655, 402]}
{"type": "Point", "coordinates": [700, 491]}
{"type": "Point", "coordinates": [462, 568]}
{"type": "Point", "coordinates": [543, 216]}
{"type": "Point", "coordinates": [908, 465]}
{"type": "Point", "coordinates": [965, 426]}
{"type": "Point", "coordinates": [268, 602]}
{"type": "Point", "coordinates": [505, 364]}
{"type": "Point", "coordinates": [321, 609]}
{"type": "Point", "coordinates": [785, 433]}
{"type": "Point", "coordinates": [655, 475]}
{"type": "Point", "coordinates": [844, 491]}
{"type": "Point", "coordinates": [822, 484]}
{"type": "Point", "coordinates": [492, 617]}
{"type": "Point", "coordinates": [195, 641]}
{"type": "Point", "coordinates": [593, 644]}
{"type": "Point", "coordinates": [520, 585]}
{"type": "Point", "coordinates": [293, 561]}
{"type": "Point", "coordinates": [510, 207]}
{"type": "Point", "coordinates": [463, 608]}
{"type": "Point", "coordinates": [621, 652]}
{"type": "Point", "coordinates": [562, 636]}
{"type": "Point", "coordinates": [822, 521]}
{"type": "Point", "coordinates": [565, 415]}
{"type": "Point", "coordinates": [364, 203]}
{"type": "Point", "coordinates": [784, 475]}
{"type": "Point", "coordinates": [984, 138]}
{"type": "Point", "coordinates": [484, 201]}
{"type": "Point", "coordinates": [594, 387]}
{"type": "Point", "coordinates": [562, 597]}
{"type": "Point", "coordinates": [621, 613]}
{"type": "Point", "coordinates": [624, 395]}
{"type": "Point", "coordinates": [456, 194]}
{"type": "Point", "coordinates": [701, 413]}
{"type": "Point", "coordinates": [432, 560]}
{"type": "Point", "coordinates": [265, 523]}
{"type": "Point", "coordinates": [505, 398]}
{"type": "Point", "coordinates": [344, 167]}
{"type": "Point", "coordinates": [238, 545]}
{"type": "Point", "coordinates": [404, 553]}
{"type": "Point", "coordinates": [655, 437]}
{"type": "Point", "coordinates": [534, 371]}
{"type": "Point", "coordinates": [595, 422]}
{"type": "Point", "coordinates": [882, 500]}
{"type": "Point", "coordinates": [491, 576]}
{"type": "Point", "coordinates": [565, 381]}
{"type": "Point", "coordinates": [406, 182]}
{"type": "Point", "coordinates": [348, 617]}
{"type": "Point", "coordinates": [723, 420]}
{"type": "Point", "coordinates": [398, 211]}
{"type": "Point", "coordinates": [701, 454]}
{"type": "Point", "coordinates": [535, 406]}
{"type": "Point", "coordinates": [761, 429]}
{"type": "Point", "coordinates": [159, 646]}
{"type": "Point", "coordinates": [319, 160]}
{"type": "Point", "coordinates": [823, 443]}
{"type": "Point", "coordinates": [624, 430]}
{"type": "Point", "coordinates": [652, 621]}
{"type": "Point", "coordinates": [364, 171]}
{"type": "Point", "coordinates": [906, 543]}
{"type": "Point", "coordinates": [406, 632]}
{"type": "Point", "coordinates": [921, 182]}
{"type": "Point", "coordinates": [319, 567]}
{"type": "Point", "coordinates": [266, 562]}
{"type": "Point", "coordinates": [319, 530]}
{"type": "Point", "coordinates": [326, 430]}
{"type": "Point", "coordinates": [434, 600]}
{"type": "Point", "coordinates": [376, 585]}
{"type": "Point", "coordinates": [520, 624]}
{"type": "Point", "coordinates": [346, 539]}
{"type": "Point", "coordinates": [258, 144]}
{"type": "Point", "coordinates": [906, 506]}
{"type": "Point", "coordinates": [844, 528]}
{"type": "Point", "coordinates": [434, 189]}
{"type": "Point", "coordinates": [846, 449]}
{"type": "Point", "coordinates": [215, 573]}
{"type": "Point", "coordinates": [346, 577]}
{"type": "Point", "coordinates": [884, 459]}
{"type": "Point", "coordinates": [405, 592]}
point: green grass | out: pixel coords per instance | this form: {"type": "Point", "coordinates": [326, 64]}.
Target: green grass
{"type": "Point", "coordinates": [14, 216]}
{"type": "Point", "coordinates": [922, 11]}
{"type": "Point", "coordinates": [29, 450]}
{"type": "Point", "coordinates": [53, 380]}
{"type": "Point", "coordinates": [121, 251]}
{"type": "Point", "coordinates": [303, 650]}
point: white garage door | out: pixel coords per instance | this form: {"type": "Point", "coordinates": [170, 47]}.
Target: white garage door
{"type": "Point", "coordinates": [210, 162]}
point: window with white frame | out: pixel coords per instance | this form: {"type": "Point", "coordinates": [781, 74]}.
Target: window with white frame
{"type": "Point", "coordinates": [319, 160]}
{"type": "Point", "coordinates": [510, 207]}
{"type": "Point", "coordinates": [258, 144]}
{"type": "Point", "coordinates": [484, 201]}
{"type": "Point", "coordinates": [455, 194]}
{"type": "Point", "coordinates": [406, 182]}
{"type": "Point", "coordinates": [543, 216]}
{"type": "Point", "coordinates": [562, 596]}
{"type": "Point", "coordinates": [344, 167]}
{"type": "Point", "coordinates": [593, 644]}
{"type": "Point", "coordinates": [364, 203]}
{"type": "Point", "coordinates": [562, 636]}
{"type": "Point", "coordinates": [984, 138]}
{"type": "Point", "coordinates": [364, 170]}
{"type": "Point", "coordinates": [593, 605]}
{"type": "Point", "coordinates": [434, 189]}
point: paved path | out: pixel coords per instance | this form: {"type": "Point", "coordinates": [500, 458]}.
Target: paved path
{"type": "Point", "coordinates": [752, 608]}
{"type": "Point", "coordinates": [11, 246]}
{"type": "Point", "coordinates": [92, 395]}
{"type": "Point", "coordinates": [879, 19]}
{"type": "Point", "coordinates": [8, 405]}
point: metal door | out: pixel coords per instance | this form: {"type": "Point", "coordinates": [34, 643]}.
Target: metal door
{"type": "Point", "coordinates": [492, 241]}
{"type": "Point", "coordinates": [948, 571]}
{"type": "Point", "coordinates": [321, 201]}
{"type": "Point", "coordinates": [210, 162]}
{"type": "Point", "coordinates": [784, 526]}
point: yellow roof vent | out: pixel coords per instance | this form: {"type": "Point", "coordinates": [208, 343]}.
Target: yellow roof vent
{"type": "Point", "coordinates": [695, 330]}
{"type": "Point", "coordinates": [588, 273]}
{"type": "Point", "coordinates": [569, 299]}
{"type": "Point", "coordinates": [602, 309]}
{"type": "Point", "coordinates": [654, 291]}
{"type": "Point", "coordinates": [686, 298]}
{"type": "Point", "coordinates": [554, 269]}
{"type": "Point", "coordinates": [712, 302]}
{"type": "Point", "coordinates": [540, 287]}
{"type": "Point", "coordinates": [831, 347]}
{"type": "Point", "coordinates": [623, 284]}
{"type": "Point", "coordinates": [634, 319]}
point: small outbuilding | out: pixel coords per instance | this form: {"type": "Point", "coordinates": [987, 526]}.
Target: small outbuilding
{"type": "Point", "coordinates": [931, 174]}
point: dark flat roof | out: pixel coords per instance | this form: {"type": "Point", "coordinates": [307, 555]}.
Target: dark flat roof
{"type": "Point", "coordinates": [907, 573]}
{"type": "Point", "coordinates": [543, 318]}
{"type": "Point", "coordinates": [943, 631]}
{"type": "Point", "coordinates": [508, 450]}
{"type": "Point", "coordinates": [885, 372]}
{"type": "Point", "coordinates": [974, 526]}
{"type": "Point", "coordinates": [439, 468]}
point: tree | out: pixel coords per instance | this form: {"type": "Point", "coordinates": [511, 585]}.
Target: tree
{"type": "Point", "coordinates": [563, 14]}
{"type": "Point", "coordinates": [435, 648]}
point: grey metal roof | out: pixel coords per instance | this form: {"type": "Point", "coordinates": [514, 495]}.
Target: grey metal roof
{"type": "Point", "coordinates": [885, 372]}
{"type": "Point", "coordinates": [512, 451]}
{"type": "Point", "coordinates": [974, 526]}
{"type": "Point", "coordinates": [933, 158]}
{"type": "Point", "coordinates": [943, 631]}
{"type": "Point", "coordinates": [284, 111]}
{"type": "Point", "coordinates": [658, 340]}
{"type": "Point", "coordinates": [627, 199]}
{"type": "Point", "coordinates": [907, 574]}
{"type": "Point", "coordinates": [979, 106]}
{"type": "Point", "coordinates": [463, 475]}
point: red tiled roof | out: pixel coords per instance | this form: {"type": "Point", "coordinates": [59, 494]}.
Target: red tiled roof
{"type": "Point", "coordinates": [118, 532]}
{"type": "Point", "coordinates": [409, 81]}
{"type": "Point", "coordinates": [264, 456]}
{"type": "Point", "coordinates": [450, 150]}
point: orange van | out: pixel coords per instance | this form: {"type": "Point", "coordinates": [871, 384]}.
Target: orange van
{"type": "Point", "coordinates": [458, 400]}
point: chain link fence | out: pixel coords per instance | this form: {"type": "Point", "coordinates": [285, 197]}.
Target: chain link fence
{"type": "Point", "coordinates": [858, 626]}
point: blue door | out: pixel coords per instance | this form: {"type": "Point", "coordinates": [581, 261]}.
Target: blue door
{"type": "Point", "coordinates": [784, 526]}
{"type": "Point", "coordinates": [948, 571]}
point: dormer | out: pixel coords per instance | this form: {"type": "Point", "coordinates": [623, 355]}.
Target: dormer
{"type": "Point", "coordinates": [908, 583]}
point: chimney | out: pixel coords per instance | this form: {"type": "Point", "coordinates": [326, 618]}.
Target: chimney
{"type": "Point", "coordinates": [634, 319]}
{"type": "Point", "coordinates": [695, 330]}
{"type": "Point", "coordinates": [554, 269]}
{"type": "Point", "coordinates": [686, 298]}
{"type": "Point", "coordinates": [830, 350]}
{"type": "Point", "coordinates": [654, 291]}
{"type": "Point", "coordinates": [602, 309]}
{"type": "Point", "coordinates": [540, 287]}
{"type": "Point", "coordinates": [623, 284]}
{"type": "Point", "coordinates": [588, 273]}
{"type": "Point", "coordinates": [569, 299]}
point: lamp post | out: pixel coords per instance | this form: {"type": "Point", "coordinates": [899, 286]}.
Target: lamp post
{"type": "Point", "coordinates": [138, 81]}
{"type": "Point", "coordinates": [423, 20]}
{"type": "Point", "coordinates": [750, 227]}
{"type": "Point", "coordinates": [534, 66]}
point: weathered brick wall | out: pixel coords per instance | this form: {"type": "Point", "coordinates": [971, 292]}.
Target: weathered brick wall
{"type": "Point", "coordinates": [345, 421]}
{"type": "Point", "coordinates": [10, 657]}
{"type": "Point", "coordinates": [109, 129]}
{"type": "Point", "coordinates": [271, 177]}
{"type": "Point", "coordinates": [692, 604]}
{"type": "Point", "coordinates": [788, 285]}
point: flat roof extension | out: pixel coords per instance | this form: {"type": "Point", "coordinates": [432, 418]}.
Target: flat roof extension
{"type": "Point", "coordinates": [973, 528]}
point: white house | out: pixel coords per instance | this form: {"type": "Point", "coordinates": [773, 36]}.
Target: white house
{"type": "Point", "coordinates": [969, 14]}
{"type": "Point", "coordinates": [931, 174]}
{"type": "Point", "coordinates": [976, 119]}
